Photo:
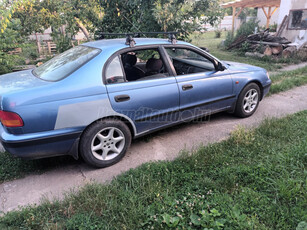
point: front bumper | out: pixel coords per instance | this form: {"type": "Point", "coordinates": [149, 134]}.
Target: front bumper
{"type": "Point", "coordinates": [266, 88]}
{"type": "Point", "coordinates": [41, 145]}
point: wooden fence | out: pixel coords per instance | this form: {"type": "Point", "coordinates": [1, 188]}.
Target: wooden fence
{"type": "Point", "coordinates": [49, 46]}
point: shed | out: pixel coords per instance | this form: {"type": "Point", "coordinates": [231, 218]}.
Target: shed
{"type": "Point", "coordinates": [239, 5]}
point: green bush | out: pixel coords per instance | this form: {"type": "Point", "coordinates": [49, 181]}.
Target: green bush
{"type": "Point", "coordinates": [63, 42]}
{"type": "Point", "coordinates": [218, 33]}
{"type": "Point", "coordinates": [29, 51]}
{"type": "Point", "coordinates": [247, 28]}
{"type": "Point", "coordinates": [245, 47]}
{"type": "Point", "coordinates": [229, 39]}
{"type": "Point", "coordinates": [272, 28]}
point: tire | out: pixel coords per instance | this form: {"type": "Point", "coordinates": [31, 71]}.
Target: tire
{"type": "Point", "coordinates": [248, 101]}
{"type": "Point", "coordinates": [105, 142]}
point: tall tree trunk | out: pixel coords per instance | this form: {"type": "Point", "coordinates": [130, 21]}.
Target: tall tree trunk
{"type": "Point", "coordinates": [83, 29]}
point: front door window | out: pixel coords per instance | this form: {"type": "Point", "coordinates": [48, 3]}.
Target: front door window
{"type": "Point", "coordinates": [186, 61]}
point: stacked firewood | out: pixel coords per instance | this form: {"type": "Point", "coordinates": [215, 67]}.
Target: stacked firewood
{"type": "Point", "coordinates": [263, 44]}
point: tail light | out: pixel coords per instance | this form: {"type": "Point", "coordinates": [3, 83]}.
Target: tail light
{"type": "Point", "coordinates": [10, 119]}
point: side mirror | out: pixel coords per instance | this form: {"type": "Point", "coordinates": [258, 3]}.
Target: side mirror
{"type": "Point", "coordinates": [205, 49]}
{"type": "Point", "coordinates": [220, 67]}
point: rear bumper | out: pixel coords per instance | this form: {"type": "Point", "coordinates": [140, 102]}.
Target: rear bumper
{"type": "Point", "coordinates": [41, 145]}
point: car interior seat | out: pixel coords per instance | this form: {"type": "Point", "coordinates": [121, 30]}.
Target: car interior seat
{"type": "Point", "coordinates": [153, 66]}
{"type": "Point", "coordinates": [132, 72]}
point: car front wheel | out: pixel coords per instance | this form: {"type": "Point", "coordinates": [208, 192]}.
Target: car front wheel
{"type": "Point", "coordinates": [248, 100]}
{"type": "Point", "coordinates": [105, 142]}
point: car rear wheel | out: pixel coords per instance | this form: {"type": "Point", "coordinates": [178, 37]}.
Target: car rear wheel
{"type": "Point", "coordinates": [248, 100]}
{"type": "Point", "coordinates": [105, 142]}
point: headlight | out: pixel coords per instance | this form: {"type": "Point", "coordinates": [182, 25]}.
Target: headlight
{"type": "Point", "coordinates": [267, 73]}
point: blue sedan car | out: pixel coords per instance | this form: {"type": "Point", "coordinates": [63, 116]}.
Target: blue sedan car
{"type": "Point", "coordinates": [93, 99]}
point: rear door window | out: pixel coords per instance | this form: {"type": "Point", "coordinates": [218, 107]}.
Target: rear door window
{"type": "Point", "coordinates": [136, 65]}
{"type": "Point", "coordinates": [114, 72]}
{"type": "Point", "coordinates": [144, 64]}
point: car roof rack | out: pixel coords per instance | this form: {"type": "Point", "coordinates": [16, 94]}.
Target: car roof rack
{"type": "Point", "coordinates": [130, 36]}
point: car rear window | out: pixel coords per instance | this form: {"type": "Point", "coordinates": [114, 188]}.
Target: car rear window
{"type": "Point", "coordinates": [65, 63]}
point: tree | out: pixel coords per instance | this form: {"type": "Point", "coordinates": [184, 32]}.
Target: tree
{"type": "Point", "coordinates": [184, 16]}
{"type": "Point", "coordinates": [127, 16]}
{"type": "Point", "coordinates": [38, 15]}
{"type": "Point", "coordinates": [9, 37]}
{"type": "Point", "coordinates": [66, 18]}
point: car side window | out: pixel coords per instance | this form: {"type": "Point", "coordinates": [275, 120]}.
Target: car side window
{"type": "Point", "coordinates": [187, 61]}
{"type": "Point", "coordinates": [143, 64]}
{"type": "Point", "coordinates": [114, 72]}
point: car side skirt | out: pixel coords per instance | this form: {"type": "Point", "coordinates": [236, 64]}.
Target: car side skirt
{"type": "Point", "coordinates": [228, 108]}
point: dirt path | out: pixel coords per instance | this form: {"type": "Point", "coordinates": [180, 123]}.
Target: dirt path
{"type": "Point", "coordinates": [164, 145]}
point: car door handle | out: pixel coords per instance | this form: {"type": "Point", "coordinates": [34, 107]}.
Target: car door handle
{"type": "Point", "coordinates": [121, 98]}
{"type": "Point", "coordinates": [187, 87]}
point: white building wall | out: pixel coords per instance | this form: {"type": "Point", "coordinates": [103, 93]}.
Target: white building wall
{"type": "Point", "coordinates": [225, 24]}
{"type": "Point", "coordinates": [262, 18]}
{"type": "Point", "coordinates": [46, 36]}
{"type": "Point", "coordinates": [285, 7]}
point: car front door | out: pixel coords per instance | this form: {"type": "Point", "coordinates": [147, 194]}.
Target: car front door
{"type": "Point", "coordinates": [140, 86]}
{"type": "Point", "coordinates": [202, 88]}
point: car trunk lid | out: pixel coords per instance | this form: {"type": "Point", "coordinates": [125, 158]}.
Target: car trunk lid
{"type": "Point", "coordinates": [18, 81]}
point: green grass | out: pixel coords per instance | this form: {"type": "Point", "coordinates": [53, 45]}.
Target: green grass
{"type": "Point", "coordinates": [288, 80]}
{"type": "Point", "coordinates": [254, 180]}
{"type": "Point", "coordinates": [208, 40]}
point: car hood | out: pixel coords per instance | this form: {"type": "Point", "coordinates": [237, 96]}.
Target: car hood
{"type": "Point", "coordinates": [18, 81]}
{"type": "Point", "coordinates": [241, 67]}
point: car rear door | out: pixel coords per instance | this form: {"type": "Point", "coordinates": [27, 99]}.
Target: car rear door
{"type": "Point", "coordinates": [202, 88]}
{"type": "Point", "coordinates": [150, 102]}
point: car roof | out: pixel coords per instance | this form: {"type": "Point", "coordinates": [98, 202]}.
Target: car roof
{"type": "Point", "coordinates": [120, 43]}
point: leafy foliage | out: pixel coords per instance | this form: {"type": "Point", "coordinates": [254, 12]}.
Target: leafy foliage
{"type": "Point", "coordinates": [66, 18]}
{"type": "Point", "coordinates": [184, 16]}
{"type": "Point", "coordinates": [127, 16]}
{"type": "Point", "coordinates": [244, 30]}
{"type": "Point", "coordinates": [247, 28]}
{"type": "Point", "coordinates": [9, 40]}
{"type": "Point", "coordinates": [229, 39]}
{"type": "Point", "coordinates": [37, 15]}
{"type": "Point", "coordinates": [19, 19]}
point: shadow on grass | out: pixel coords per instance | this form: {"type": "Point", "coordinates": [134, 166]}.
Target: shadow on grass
{"type": "Point", "coordinates": [13, 168]}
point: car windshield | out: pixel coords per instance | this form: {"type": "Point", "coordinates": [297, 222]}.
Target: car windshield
{"type": "Point", "coordinates": [64, 64]}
